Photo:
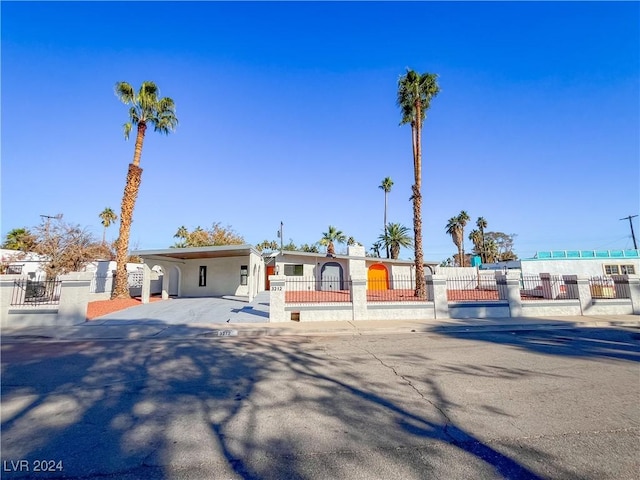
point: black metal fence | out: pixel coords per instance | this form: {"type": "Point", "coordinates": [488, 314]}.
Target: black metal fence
{"type": "Point", "coordinates": [28, 292]}
{"type": "Point", "coordinates": [395, 289]}
{"type": "Point", "coordinates": [313, 290]}
{"type": "Point", "coordinates": [473, 288]}
{"type": "Point", "coordinates": [609, 287]}
{"type": "Point", "coordinates": [547, 287]}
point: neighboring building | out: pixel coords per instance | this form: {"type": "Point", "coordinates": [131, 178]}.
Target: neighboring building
{"type": "Point", "coordinates": [584, 263]}
{"type": "Point", "coordinates": [17, 262]}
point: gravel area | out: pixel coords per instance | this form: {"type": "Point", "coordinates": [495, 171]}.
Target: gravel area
{"type": "Point", "coordinates": [103, 307]}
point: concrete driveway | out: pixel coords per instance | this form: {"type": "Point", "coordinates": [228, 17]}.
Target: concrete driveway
{"type": "Point", "coordinates": [180, 311]}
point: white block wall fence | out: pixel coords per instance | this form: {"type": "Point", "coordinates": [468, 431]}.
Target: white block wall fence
{"type": "Point", "coordinates": [573, 297]}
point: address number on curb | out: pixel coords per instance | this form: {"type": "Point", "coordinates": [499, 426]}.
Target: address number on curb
{"type": "Point", "coordinates": [277, 288]}
{"type": "Point", "coordinates": [227, 333]}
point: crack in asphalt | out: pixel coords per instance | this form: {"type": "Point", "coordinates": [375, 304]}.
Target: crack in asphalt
{"type": "Point", "coordinates": [448, 421]}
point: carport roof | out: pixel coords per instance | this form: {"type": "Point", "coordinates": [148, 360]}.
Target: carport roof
{"type": "Point", "coordinates": [198, 252]}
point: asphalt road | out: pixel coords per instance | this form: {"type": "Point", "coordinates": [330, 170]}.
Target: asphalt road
{"type": "Point", "coordinates": [557, 404]}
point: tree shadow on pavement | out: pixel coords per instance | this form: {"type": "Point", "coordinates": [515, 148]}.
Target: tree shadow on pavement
{"type": "Point", "coordinates": [594, 342]}
{"type": "Point", "coordinates": [252, 408]}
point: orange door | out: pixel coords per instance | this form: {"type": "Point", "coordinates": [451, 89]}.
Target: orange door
{"type": "Point", "coordinates": [271, 270]}
{"type": "Point", "coordinates": [377, 278]}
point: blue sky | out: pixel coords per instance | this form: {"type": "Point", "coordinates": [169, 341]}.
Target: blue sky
{"type": "Point", "coordinates": [287, 113]}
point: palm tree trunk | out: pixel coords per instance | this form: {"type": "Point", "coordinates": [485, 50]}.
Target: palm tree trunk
{"type": "Point", "coordinates": [385, 219]}
{"type": "Point", "coordinates": [421, 287]}
{"type": "Point", "coordinates": [137, 153]}
{"type": "Point", "coordinates": [121, 286]}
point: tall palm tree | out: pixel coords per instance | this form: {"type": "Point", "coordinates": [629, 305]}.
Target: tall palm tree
{"type": "Point", "coordinates": [386, 185]}
{"type": "Point", "coordinates": [146, 108]}
{"type": "Point", "coordinates": [454, 229]}
{"type": "Point", "coordinates": [476, 237]}
{"type": "Point", "coordinates": [463, 218]}
{"type": "Point", "coordinates": [491, 250]}
{"type": "Point", "coordinates": [481, 223]}
{"type": "Point", "coordinates": [394, 237]}
{"type": "Point", "coordinates": [415, 92]}
{"type": "Point", "coordinates": [332, 236]}
{"type": "Point", "coordinates": [108, 216]}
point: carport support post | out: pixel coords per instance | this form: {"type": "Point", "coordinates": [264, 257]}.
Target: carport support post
{"type": "Point", "coordinates": [146, 283]}
{"type": "Point", "coordinates": [276, 298]}
{"type": "Point", "coordinates": [634, 293]}
{"type": "Point", "coordinates": [74, 298]}
{"type": "Point", "coordinates": [437, 285]}
{"type": "Point", "coordinates": [165, 282]}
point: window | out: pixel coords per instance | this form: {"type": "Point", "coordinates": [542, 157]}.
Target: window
{"type": "Point", "coordinates": [244, 273]}
{"type": "Point", "coordinates": [611, 270]}
{"type": "Point", "coordinates": [202, 279]}
{"type": "Point", "coordinates": [619, 269]}
{"type": "Point", "coordinates": [293, 270]}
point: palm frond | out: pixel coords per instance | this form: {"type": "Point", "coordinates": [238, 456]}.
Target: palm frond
{"type": "Point", "coordinates": [124, 92]}
{"type": "Point", "coordinates": [127, 130]}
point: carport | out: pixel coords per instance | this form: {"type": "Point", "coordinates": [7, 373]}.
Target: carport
{"type": "Point", "coordinates": [227, 270]}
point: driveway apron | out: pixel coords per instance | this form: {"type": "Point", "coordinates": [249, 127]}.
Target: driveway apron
{"type": "Point", "coordinates": [179, 311]}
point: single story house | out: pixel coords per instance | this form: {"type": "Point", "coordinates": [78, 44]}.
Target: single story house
{"type": "Point", "coordinates": [228, 270]}
{"type": "Point", "coordinates": [241, 270]}
{"type": "Point", "coordinates": [323, 268]}
{"type": "Point", "coordinates": [584, 263]}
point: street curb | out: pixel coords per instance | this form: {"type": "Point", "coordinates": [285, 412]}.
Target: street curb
{"type": "Point", "coordinates": [232, 331]}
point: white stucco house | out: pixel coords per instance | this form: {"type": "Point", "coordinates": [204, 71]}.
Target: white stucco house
{"type": "Point", "coordinates": [241, 270]}
{"type": "Point", "coordinates": [320, 266]}
{"type": "Point", "coordinates": [584, 263]}
{"type": "Point", "coordinates": [228, 270]}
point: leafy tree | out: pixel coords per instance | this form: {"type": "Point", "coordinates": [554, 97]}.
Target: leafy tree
{"type": "Point", "coordinates": [415, 92]}
{"type": "Point", "coordinates": [503, 245]}
{"type": "Point", "coordinates": [67, 248]}
{"type": "Point", "coordinates": [375, 249]}
{"type": "Point", "coordinates": [396, 236]}
{"type": "Point", "coordinates": [332, 236]}
{"type": "Point", "coordinates": [352, 241]}
{"type": "Point", "coordinates": [182, 235]}
{"type": "Point", "coordinates": [108, 216]}
{"type": "Point", "coordinates": [310, 248]}
{"type": "Point", "coordinates": [290, 247]}
{"type": "Point", "coordinates": [146, 108]}
{"type": "Point", "coordinates": [217, 235]}
{"type": "Point", "coordinates": [267, 245]}
{"type": "Point", "coordinates": [386, 185]}
{"type": "Point", "coordinates": [447, 263]}
{"type": "Point", "coordinates": [19, 239]}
